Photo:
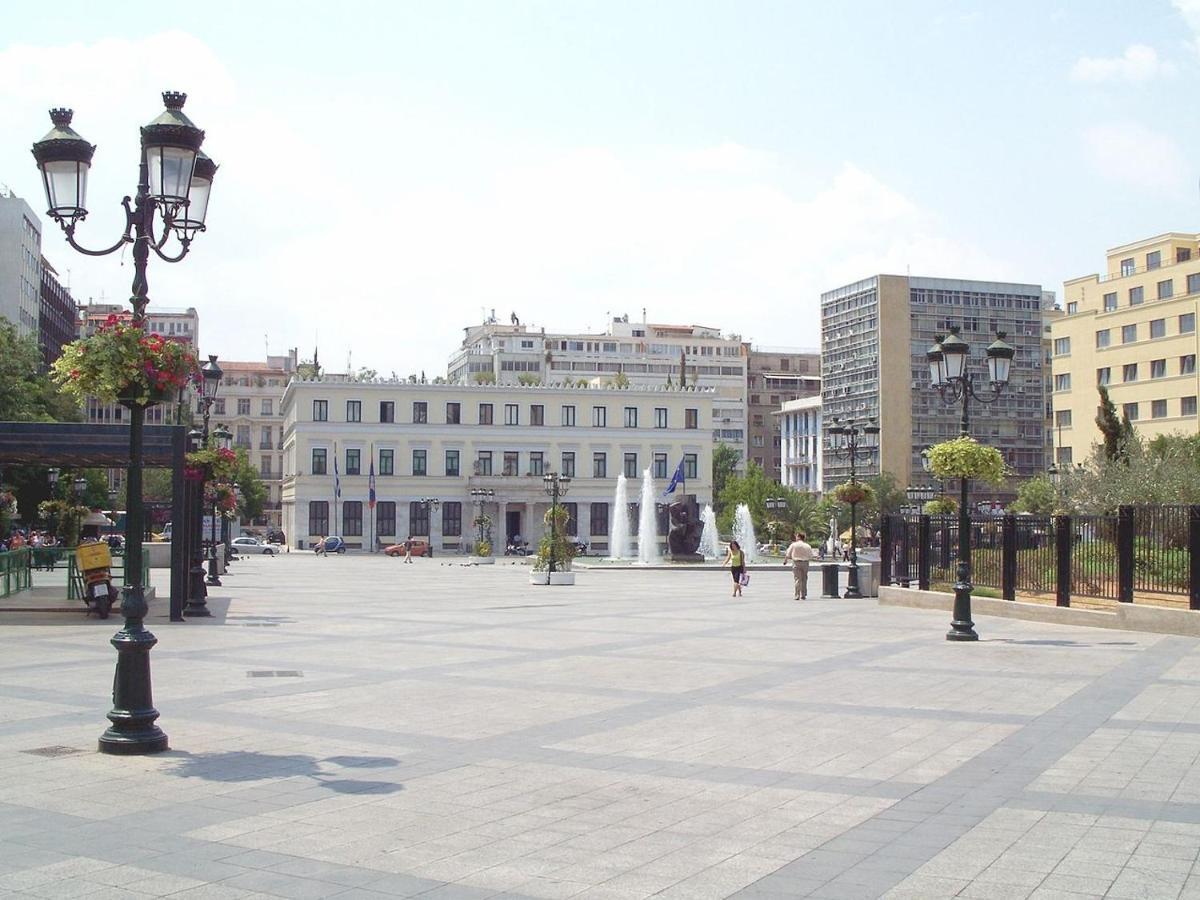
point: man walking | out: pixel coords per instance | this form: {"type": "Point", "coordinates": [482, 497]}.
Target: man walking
{"type": "Point", "coordinates": [798, 554]}
{"type": "Point", "coordinates": [408, 549]}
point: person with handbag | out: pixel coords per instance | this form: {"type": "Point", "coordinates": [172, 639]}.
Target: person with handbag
{"type": "Point", "coordinates": [736, 560]}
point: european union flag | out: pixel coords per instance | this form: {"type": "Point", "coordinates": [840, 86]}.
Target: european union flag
{"type": "Point", "coordinates": [676, 479]}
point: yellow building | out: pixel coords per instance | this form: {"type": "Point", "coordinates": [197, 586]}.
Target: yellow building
{"type": "Point", "coordinates": [1133, 330]}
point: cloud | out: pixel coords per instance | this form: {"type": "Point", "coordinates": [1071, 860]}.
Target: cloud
{"type": "Point", "coordinates": [1137, 156]}
{"type": "Point", "coordinates": [1137, 64]}
{"type": "Point", "coordinates": [1190, 11]}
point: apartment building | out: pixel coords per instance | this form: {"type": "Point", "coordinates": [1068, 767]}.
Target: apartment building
{"type": "Point", "coordinates": [800, 430]}
{"type": "Point", "coordinates": [1133, 330]}
{"type": "Point", "coordinates": [443, 441]}
{"type": "Point", "coordinates": [773, 377]}
{"type": "Point", "coordinates": [874, 336]}
{"type": "Point", "coordinates": [57, 315]}
{"type": "Point", "coordinates": [20, 263]}
{"type": "Point", "coordinates": [648, 354]}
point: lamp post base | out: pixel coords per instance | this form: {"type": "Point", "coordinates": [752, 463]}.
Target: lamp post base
{"type": "Point", "coordinates": [133, 731]}
{"type": "Point", "coordinates": [961, 626]}
{"type": "Point", "coordinates": [197, 591]}
{"type": "Point", "coordinates": [213, 578]}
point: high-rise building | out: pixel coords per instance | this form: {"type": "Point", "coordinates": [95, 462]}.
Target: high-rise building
{"type": "Point", "coordinates": [1132, 330]}
{"type": "Point", "coordinates": [20, 264]}
{"type": "Point", "coordinates": [800, 425]}
{"type": "Point", "coordinates": [647, 354]}
{"type": "Point", "coordinates": [773, 377]}
{"type": "Point", "coordinates": [57, 315]}
{"type": "Point", "coordinates": [874, 336]}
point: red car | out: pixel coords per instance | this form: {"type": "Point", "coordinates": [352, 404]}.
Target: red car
{"type": "Point", "coordinates": [419, 548]}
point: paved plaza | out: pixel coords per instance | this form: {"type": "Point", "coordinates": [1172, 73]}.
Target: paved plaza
{"type": "Point", "coordinates": [355, 727]}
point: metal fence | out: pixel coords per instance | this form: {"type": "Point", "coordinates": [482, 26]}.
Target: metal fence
{"type": "Point", "coordinates": [14, 571]}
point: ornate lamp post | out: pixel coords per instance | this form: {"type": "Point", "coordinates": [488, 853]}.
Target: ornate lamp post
{"type": "Point", "coordinates": [949, 376]}
{"type": "Point", "coordinates": [210, 385]}
{"type": "Point", "coordinates": [52, 475]}
{"type": "Point", "coordinates": [432, 505]}
{"type": "Point", "coordinates": [851, 441]}
{"type": "Point", "coordinates": [223, 439]}
{"type": "Point", "coordinates": [775, 505]}
{"type": "Point", "coordinates": [480, 496]}
{"type": "Point", "coordinates": [556, 486]}
{"type": "Point", "coordinates": [197, 591]}
{"type": "Point", "coordinates": [80, 485]}
{"type": "Point", "coordinates": [170, 169]}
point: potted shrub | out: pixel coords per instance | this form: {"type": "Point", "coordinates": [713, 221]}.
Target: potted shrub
{"type": "Point", "coordinates": [556, 544]}
{"type": "Point", "coordinates": [483, 554]}
{"type": "Point", "coordinates": [126, 364]}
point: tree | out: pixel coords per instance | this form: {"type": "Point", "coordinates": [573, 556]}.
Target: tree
{"type": "Point", "coordinates": [484, 378]}
{"type": "Point", "coordinates": [888, 499]}
{"type": "Point", "coordinates": [1037, 496]}
{"type": "Point", "coordinates": [529, 378]}
{"type": "Point", "coordinates": [254, 492]}
{"type": "Point", "coordinates": [621, 380]}
{"type": "Point", "coordinates": [724, 463]}
{"type": "Point", "coordinates": [1113, 429]}
{"type": "Point", "coordinates": [26, 394]}
{"type": "Point", "coordinates": [1163, 471]}
{"type": "Point", "coordinates": [365, 374]}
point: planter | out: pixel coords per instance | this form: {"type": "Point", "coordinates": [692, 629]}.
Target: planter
{"type": "Point", "coordinates": [481, 560]}
{"type": "Point", "coordinates": [128, 397]}
{"type": "Point", "coordinates": [551, 578]}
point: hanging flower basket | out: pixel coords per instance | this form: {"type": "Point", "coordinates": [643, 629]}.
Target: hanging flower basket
{"type": "Point", "coordinates": [853, 492]}
{"type": "Point", "coordinates": [941, 506]}
{"type": "Point", "coordinates": [965, 457]}
{"type": "Point", "coordinates": [222, 496]}
{"type": "Point", "coordinates": [126, 364]}
{"type": "Point", "coordinates": [211, 464]}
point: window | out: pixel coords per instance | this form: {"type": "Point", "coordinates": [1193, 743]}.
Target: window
{"type": "Point", "coordinates": [1102, 338]}
{"type": "Point", "coordinates": [568, 416]}
{"type": "Point", "coordinates": [660, 465]}
{"type": "Point", "coordinates": [1193, 283]}
{"type": "Point", "coordinates": [452, 463]}
{"type": "Point", "coordinates": [353, 461]}
{"type": "Point", "coordinates": [690, 466]}
{"type": "Point", "coordinates": [1110, 301]}
{"type": "Point", "coordinates": [1158, 368]}
{"type": "Point", "coordinates": [537, 462]}
{"type": "Point", "coordinates": [420, 412]}
{"type": "Point", "coordinates": [1158, 409]}
{"type": "Point", "coordinates": [631, 469]}
{"type": "Point", "coordinates": [1062, 346]}
{"type": "Point", "coordinates": [1104, 376]}
{"type": "Point", "coordinates": [512, 462]}
{"type": "Point", "coordinates": [691, 418]}
{"type": "Point", "coordinates": [485, 414]}
{"type": "Point", "coordinates": [1073, 307]}
{"type": "Point", "coordinates": [385, 518]}
{"type": "Point", "coordinates": [243, 406]}
{"type": "Point", "coordinates": [1166, 289]}
{"type": "Point", "coordinates": [660, 417]}
{"type": "Point", "coordinates": [631, 417]}
{"type": "Point", "coordinates": [599, 523]}
{"type": "Point", "coordinates": [1187, 364]}
{"type": "Point", "coordinates": [318, 517]}
{"type": "Point", "coordinates": [1128, 266]}
{"type": "Point", "coordinates": [1129, 372]}
{"type": "Point", "coordinates": [1062, 382]}
{"type": "Point", "coordinates": [1128, 334]}
{"type": "Point", "coordinates": [453, 413]}
{"type": "Point", "coordinates": [242, 438]}
{"type": "Point", "coordinates": [264, 467]}
{"type": "Point", "coordinates": [320, 410]}
{"type": "Point", "coordinates": [352, 518]}
{"type": "Point", "coordinates": [1062, 418]}
{"type": "Point", "coordinates": [387, 462]}
{"type": "Point", "coordinates": [387, 411]}
{"type": "Point", "coordinates": [1136, 295]}
{"type": "Point", "coordinates": [1182, 254]}
{"type": "Point", "coordinates": [264, 438]}
{"type": "Point", "coordinates": [1130, 411]}
{"type": "Point", "coordinates": [1153, 260]}
{"type": "Point", "coordinates": [512, 414]}
{"type": "Point", "coordinates": [1158, 328]}
{"type": "Point", "coordinates": [537, 414]}
{"type": "Point", "coordinates": [1187, 323]}
{"type": "Point", "coordinates": [599, 465]}
{"type": "Point", "coordinates": [320, 461]}
{"type": "Point", "coordinates": [219, 407]}
{"type": "Point", "coordinates": [1187, 405]}
{"type": "Point", "coordinates": [483, 462]}
{"type": "Point", "coordinates": [353, 410]}
{"type": "Point", "coordinates": [572, 524]}
{"type": "Point", "coordinates": [452, 518]}
{"type": "Point", "coordinates": [418, 518]}
{"type": "Point", "coordinates": [568, 463]}
{"type": "Point", "coordinates": [599, 416]}
{"type": "Point", "coordinates": [420, 462]}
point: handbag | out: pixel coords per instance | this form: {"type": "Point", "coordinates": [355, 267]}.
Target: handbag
{"type": "Point", "coordinates": [744, 579]}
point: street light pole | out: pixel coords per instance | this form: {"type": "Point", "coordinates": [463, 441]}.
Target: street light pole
{"type": "Point", "coordinates": [556, 486]}
{"type": "Point", "coordinates": [479, 496]}
{"type": "Point", "coordinates": [211, 373]}
{"type": "Point", "coordinates": [948, 374]}
{"type": "Point", "coordinates": [850, 441]}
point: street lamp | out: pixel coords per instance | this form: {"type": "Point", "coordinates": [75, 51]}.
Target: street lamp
{"type": "Point", "coordinates": [52, 474]}
{"type": "Point", "coordinates": [949, 375]}
{"type": "Point", "coordinates": [223, 438]}
{"type": "Point", "coordinates": [197, 591]}
{"type": "Point", "coordinates": [556, 486]}
{"type": "Point", "coordinates": [775, 505]}
{"type": "Point", "coordinates": [80, 487]}
{"type": "Point", "coordinates": [210, 385]}
{"type": "Point", "coordinates": [853, 440]}
{"type": "Point", "coordinates": [431, 504]}
{"type": "Point", "coordinates": [480, 496]}
{"type": "Point", "coordinates": [166, 175]}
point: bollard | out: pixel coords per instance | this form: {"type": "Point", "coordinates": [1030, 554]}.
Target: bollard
{"type": "Point", "coordinates": [829, 581]}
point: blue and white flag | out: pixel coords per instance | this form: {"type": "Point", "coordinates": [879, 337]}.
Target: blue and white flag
{"type": "Point", "coordinates": [337, 481]}
{"type": "Point", "coordinates": [676, 479]}
{"type": "Point", "coordinates": [371, 485]}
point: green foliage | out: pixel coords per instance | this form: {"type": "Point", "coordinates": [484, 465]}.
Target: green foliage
{"type": "Point", "coordinates": [64, 517]}
{"type": "Point", "coordinates": [120, 358]}
{"type": "Point", "coordinates": [365, 374]}
{"type": "Point", "coordinates": [1165, 470]}
{"type": "Point", "coordinates": [559, 546]}
{"type": "Point", "coordinates": [853, 492]}
{"type": "Point", "coordinates": [803, 511]}
{"type": "Point", "coordinates": [27, 395]}
{"type": "Point", "coordinates": [941, 506]}
{"type": "Point", "coordinates": [724, 462]}
{"type": "Point", "coordinates": [964, 457]}
{"type": "Point", "coordinates": [1037, 496]}
{"type": "Point", "coordinates": [620, 380]}
{"type": "Point", "coordinates": [1111, 427]}
{"type": "Point", "coordinates": [483, 548]}
{"type": "Point", "coordinates": [484, 378]}
{"type": "Point", "coordinates": [254, 492]}
{"type": "Point", "coordinates": [528, 378]}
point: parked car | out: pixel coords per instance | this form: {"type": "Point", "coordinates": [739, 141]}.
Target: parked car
{"type": "Point", "coordinates": [330, 545]}
{"type": "Point", "coordinates": [251, 545]}
{"type": "Point", "coordinates": [419, 548]}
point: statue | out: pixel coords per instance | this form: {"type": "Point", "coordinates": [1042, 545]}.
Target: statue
{"type": "Point", "coordinates": [683, 540]}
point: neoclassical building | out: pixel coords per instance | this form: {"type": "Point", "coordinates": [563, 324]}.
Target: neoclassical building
{"type": "Point", "coordinates": [443, 441]}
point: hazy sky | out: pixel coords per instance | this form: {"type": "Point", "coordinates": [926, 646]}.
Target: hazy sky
{"type": "Point", "coordinates": [390, 170]}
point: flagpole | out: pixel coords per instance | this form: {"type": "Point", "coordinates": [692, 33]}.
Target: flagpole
{"type": "Point", "coordinates": [334, 524]}
{"type": "Point", "coordinates": [370, 488]}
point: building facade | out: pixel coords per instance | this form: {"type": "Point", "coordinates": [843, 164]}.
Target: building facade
{"type": "Point", "coordinates": [1133, 331]}
{"type": "Point", "coordinates": [800, 429]}
{"type": "Point", "coordinates": [441, 442]}
{"type": "Point", "coordinates": [874, 336]}
{"type": "Point", "coordinates": [57, 316]}
{"type": "Point", "coordinates": [20, 264]}
{"type": "Point", "coordinates": [773, 377]}
{"type": "Point", "coordinates": [647, 354]}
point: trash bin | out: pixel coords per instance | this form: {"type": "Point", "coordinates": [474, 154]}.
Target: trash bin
{"type": "Point", "coordinates": [829, 580]}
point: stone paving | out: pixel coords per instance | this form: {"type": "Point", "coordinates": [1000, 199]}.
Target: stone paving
{"type": "Point", "coordinates": [354, 727]}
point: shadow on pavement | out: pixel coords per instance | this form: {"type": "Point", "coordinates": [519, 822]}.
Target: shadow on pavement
{"type": "Point", "coordinates": [247, 766]}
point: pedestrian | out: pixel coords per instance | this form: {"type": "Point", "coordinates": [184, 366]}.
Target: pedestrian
{"type": "Point", "coordinates": [799, 553]}
{"type": "Point", "coordinates": [736, 559]}
{"type": "Point", "coordinates": [408, 549]}
{"type": "Point", "coordinates": [321, 547]}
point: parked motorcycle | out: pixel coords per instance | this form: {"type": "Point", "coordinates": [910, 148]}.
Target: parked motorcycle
{"type": "Point", "coordinates": [95, 567]}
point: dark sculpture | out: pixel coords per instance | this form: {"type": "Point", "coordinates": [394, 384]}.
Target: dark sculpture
{"type": "Point", "coordinates": [683, 540]}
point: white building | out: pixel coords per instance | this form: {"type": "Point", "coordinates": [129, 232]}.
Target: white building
{"type": "Point", "coordinates": [800, 433]}
{"type": "Point", "coordinates": [441, 441]}
{"type": "Point", "coordinates": [645, 353]}
{"type": "Point", "coordinates": [20, 264]}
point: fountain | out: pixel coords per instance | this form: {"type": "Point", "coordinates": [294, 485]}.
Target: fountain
{"type": "Point", "coordinates": [619, 547]}
{"type": "Point", "coordinates": [648, 553]}
{"type": "Point", "coordinates": [709, 540]}
{"type": "Point", "coordinates": [743, 532]}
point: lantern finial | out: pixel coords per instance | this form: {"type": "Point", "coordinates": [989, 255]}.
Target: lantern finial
{"type": "Point", "coordinates": [174, 99]}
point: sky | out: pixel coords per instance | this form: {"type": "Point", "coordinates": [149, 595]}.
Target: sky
{"type": "Point", "coordinates": [390, 172]}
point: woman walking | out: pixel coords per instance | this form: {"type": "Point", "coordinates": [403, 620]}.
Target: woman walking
{"type": "Point", "coordinates": [736, 560]}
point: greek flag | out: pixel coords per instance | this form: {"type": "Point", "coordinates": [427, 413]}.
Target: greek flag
{"type": "Point", "coordinates": [371, 486]}
{"type": "Point", "coordinates": [337, 480]}
{"type": "Point", "coordinates": [676, 479]}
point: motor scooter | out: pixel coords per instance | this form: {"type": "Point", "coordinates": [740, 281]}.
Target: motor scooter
{"type": "Point", "coordinates": [95, 567]}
